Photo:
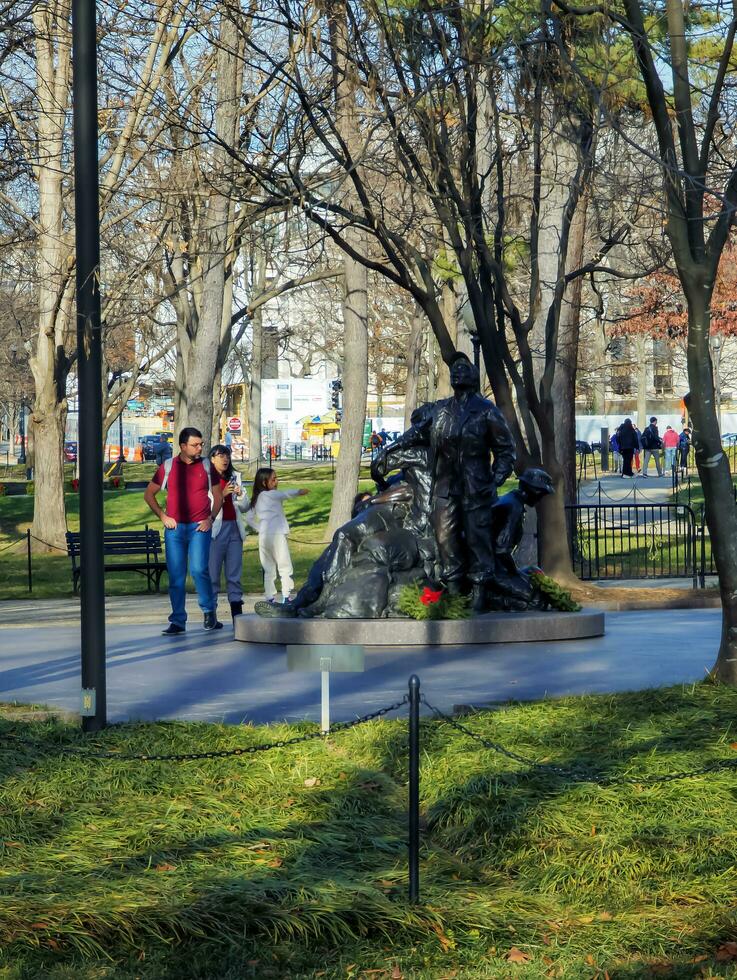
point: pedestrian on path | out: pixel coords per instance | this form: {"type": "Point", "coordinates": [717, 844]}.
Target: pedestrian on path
{"type": "Point", "coordinates": [638, 448]}
{"type": "Point", "coordinates": [670, 443]}
{"type": "Point", "coordinates": [266, 515]}
{"type": "Point", "coordinates": [193, 500]}
{"type": "Point", "coordinates": [652, 444]}
{"type": "Point", "coordinates": [228, 531]}
{"type": "Point", "coordinates": [628, 442]}
{"type": "Point", "coordinates": [684, 445]}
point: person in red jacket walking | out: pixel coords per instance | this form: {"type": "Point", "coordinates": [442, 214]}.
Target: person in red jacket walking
{"type": "Point", "coordinates": [670, 444]}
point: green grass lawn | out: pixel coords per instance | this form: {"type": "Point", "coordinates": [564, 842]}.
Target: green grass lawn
{"type": "Point", "coordinates": [126, 510]}
{"type": "Point", "coordinates": [292, 863]}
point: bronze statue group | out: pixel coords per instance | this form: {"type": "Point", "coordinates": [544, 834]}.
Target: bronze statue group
{"type": "Point", "coordinates": [435, 519]}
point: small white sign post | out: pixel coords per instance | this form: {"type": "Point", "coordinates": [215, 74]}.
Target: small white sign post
{"type": "Point", "coordinates": [325, 663]}
{"type": "Point", "coordinates": [327, 659]}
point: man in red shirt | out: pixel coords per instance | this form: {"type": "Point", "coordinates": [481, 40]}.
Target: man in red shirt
{"type": "Point", "coordinates": [194, 499]}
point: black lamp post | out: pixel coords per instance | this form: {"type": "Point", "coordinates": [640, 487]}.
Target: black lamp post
{"type": "Point", "coordinates": [470, 321]}
{"type": "Point", "coordinates": [89, 363]}
{"type": "Point", "coordinates": [476, 341]}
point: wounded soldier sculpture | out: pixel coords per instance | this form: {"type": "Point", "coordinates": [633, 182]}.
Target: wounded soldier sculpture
{"type": "Point", "coordinates": [435, 518]}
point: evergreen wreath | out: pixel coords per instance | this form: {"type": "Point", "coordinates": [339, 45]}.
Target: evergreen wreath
{"type": "Point", "coordinates": [553, 594]}
{"type": "Point", "coordinates": [420, 601]}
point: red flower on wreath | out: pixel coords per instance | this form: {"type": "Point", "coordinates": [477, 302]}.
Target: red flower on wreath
{"type": "Point", "coordinates": [430, 596]}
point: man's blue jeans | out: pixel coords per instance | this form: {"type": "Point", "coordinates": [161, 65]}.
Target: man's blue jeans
{"type": "Point", "coordinates": [186, 545]}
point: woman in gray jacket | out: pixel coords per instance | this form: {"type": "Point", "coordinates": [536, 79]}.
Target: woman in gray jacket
{"type": "Point", "coordinates": [228, 530]}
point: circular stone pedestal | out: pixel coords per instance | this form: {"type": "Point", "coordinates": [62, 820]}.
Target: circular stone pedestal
{"type": "Point", "coordinates": [496, 627]}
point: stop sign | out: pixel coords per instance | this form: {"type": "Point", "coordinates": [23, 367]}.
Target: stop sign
{"type": "Point", "coordinates": [234, 424]}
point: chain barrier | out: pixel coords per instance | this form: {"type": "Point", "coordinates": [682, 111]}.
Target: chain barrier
{"type": "Point", "coordinates": [600, 492]}
{"type": "Point", "coordinates": [574, 773]}
{"type": "Point", "coordinates": [337, 728]}
{"type": "Point", "coordinates": [46, 544]}
{"type": "Point", "coordinates": [12, 544]}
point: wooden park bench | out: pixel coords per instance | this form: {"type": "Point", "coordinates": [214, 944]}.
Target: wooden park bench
{"type": "Point", "coordinates": [136, 551]}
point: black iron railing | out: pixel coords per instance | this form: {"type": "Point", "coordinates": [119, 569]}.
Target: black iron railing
{"type": "Point", "coordinates": [634, 541]}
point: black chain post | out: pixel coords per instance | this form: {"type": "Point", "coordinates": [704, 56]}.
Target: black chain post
{"type": "Point", "coordinates": [28, 553]}
{"type": "Point", "coordinates": [414, 789]}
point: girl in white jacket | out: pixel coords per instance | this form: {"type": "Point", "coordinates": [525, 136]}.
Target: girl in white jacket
{"type": "Point", "coordinates": [266, 515]}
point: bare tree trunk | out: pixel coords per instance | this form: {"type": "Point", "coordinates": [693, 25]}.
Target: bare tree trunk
{"type": "Point", "coordinates": [558, 165]}
{"type": "Point", "coordinates": [432, 359]}
{"type": "Point", "coordinates": [564, 382]}
{"type": "Point", "coordinates": [355, 390]}
{"type": "Point", "coordinates": [179, 386]}
{"type": "Point", "coordinates": [201, 356]}
{"type": "Point", "coordinates": [257, 364]}
{"type": "Point", "coordinates": [598, 368]}
{"type": "Point", "coordinates": [414, 363]}
{"type": "Point", "coordinates": [716, 479]}
{"type": "Point", "coordinates": [49, 364]}
{"type": "Point", "coordinates": [450, 315]}
{"type": "Point", "coordinates": [355, 307]}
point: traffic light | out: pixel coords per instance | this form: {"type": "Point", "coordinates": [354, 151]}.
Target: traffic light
{"type": "Point", "coordinates": [335, 388]}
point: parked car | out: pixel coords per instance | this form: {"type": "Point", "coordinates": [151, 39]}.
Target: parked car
{"type": "Point", "coordinates": [70, 452]}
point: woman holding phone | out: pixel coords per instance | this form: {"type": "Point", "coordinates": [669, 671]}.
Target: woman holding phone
{"type": "Point", "coordinates": [228, 531]}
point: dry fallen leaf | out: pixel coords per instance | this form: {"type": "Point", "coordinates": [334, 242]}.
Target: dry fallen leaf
{"type": "Point", "coordinates": [590, 959]}
{"type": "Point", "coordinates": [165, 867]}
{"type": "Point", "coordinates": [605, 916]}
{"type": "Point", "coordinates": [593, 831]}
{"type": "Point", "coordinates": [518, 956]}
{"type": "Point", "coordinates": [312, 781]}
{"type": "Point", "coordinates": [733, 745]}
{"type": "Point", "coordinates": [444, 941]}
{"type": "Point", "coordinates": [726, 952]}
{"type": "Point", "coordinates": [275, 863]}
{"type": "Point", "coordinates": [397, 973]}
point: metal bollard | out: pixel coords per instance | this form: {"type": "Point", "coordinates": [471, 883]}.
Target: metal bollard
{"type": "Point", "coordinates": [28, 553]}
{"type": "Point", "coordinates": [414, 789]}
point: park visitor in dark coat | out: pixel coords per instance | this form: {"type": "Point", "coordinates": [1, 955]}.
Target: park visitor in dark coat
{"type": "Point", "coordinates": [628, 443]}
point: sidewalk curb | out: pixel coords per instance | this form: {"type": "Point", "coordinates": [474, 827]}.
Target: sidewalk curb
{"type": "Point", "coordinates": [633, 605]}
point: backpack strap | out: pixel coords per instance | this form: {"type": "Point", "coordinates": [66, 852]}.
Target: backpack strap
{"type": "Point", "coordinates": [168, 463]}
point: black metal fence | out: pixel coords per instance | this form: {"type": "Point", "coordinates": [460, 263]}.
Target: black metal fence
{"type": "Point", "coordinates": [635, 541]}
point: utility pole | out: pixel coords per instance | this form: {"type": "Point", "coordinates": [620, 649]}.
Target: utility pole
{"type": "Point", "coordinates": [89, 363]}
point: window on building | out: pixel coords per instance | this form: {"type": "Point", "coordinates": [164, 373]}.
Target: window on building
{"type": "Point", "coordinates": [662, 368]}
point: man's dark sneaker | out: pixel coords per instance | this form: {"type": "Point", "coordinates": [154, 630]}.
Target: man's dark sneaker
{"type": "Point", "coordinates": [236, 609]}
{"type": "Point", "coordinates": [211, 622]}
{"type": "Point", "coordinates": [173, 630]}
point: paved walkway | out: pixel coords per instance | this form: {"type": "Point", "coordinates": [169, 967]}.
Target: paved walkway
{"type": "Point", "coordinates": [616, 489]}
{"type": "Point", "coordinates": [211, 677]}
